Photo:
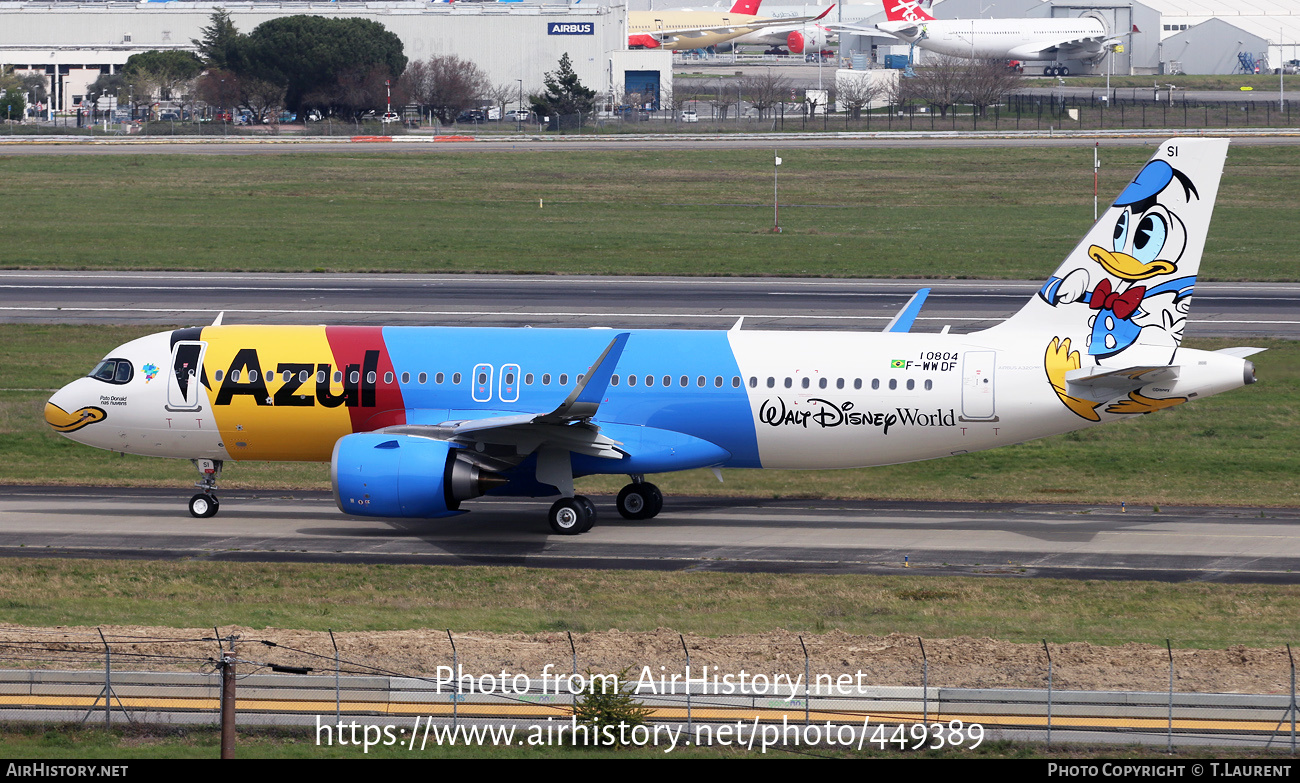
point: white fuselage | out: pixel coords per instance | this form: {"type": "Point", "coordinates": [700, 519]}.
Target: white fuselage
{"type": "Point", "coordinates": [1021, 39]}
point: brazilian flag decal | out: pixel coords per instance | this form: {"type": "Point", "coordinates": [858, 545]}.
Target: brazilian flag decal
{"type": "Point", "coordinates": [898, 364]}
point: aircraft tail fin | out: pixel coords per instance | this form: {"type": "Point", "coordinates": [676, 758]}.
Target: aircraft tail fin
{"type": "Point", "coordinates": [906, 11]}
{"type": "Point", "coordinates": [746, 7]}
{"type": "Point", "coordinates": [1122, 296]}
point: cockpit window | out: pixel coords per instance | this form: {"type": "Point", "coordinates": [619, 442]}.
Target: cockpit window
{"type": "Point", "coordinates": [118, 371]}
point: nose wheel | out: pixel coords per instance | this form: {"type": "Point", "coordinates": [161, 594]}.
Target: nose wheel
{"type": "Point", "coordinates": [204, 505]}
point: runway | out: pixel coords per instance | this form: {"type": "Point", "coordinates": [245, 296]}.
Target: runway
{"type": "Point", "coordinates": [1237, 310]}
{"type": "Point", "coordinates": [699, 534]}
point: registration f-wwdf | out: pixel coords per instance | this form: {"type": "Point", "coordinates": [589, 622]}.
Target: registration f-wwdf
{"type": "Point", "coordinates": [933, 736]}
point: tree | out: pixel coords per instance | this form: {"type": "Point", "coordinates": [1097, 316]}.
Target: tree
{"type": "Point", "coordinates": [503, 95]}
{"type": "Point", "coordinates": [221, 47]}
{"type": "Point", "coordinates": [162, 73]}
{"type": "Point", "coordinates": [764, 91]}
{"type": "Point", "coordinates": [563, 95]}
{"type": "Point", "coordinates": [857, 90]}
{"type": "Point", "coordinates": [609, 700]}
{"type": "Point", "coordinates": [989, 81]}
{"type": "Point", "coordinates": [13, 103]}
{"type": "Point", "coordinates": [220, 89]}
{"type": "Point", "coordinates": [722, 96]}
{"type": "Point", "coordinates": [309, 55]}
{"type": "Point", "coordinates": [940, 83]}
{"type": "Point", "coordinates": [446, 85]}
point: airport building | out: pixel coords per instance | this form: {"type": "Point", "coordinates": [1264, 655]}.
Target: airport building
{"type": "Point", "coordinates": [513, 43]}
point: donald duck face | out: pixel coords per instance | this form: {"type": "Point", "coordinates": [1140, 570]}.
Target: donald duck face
{"type": "Point", "coordinates": [1147, 241]}
{"type": "Point", "coordinates": [1148, 238]}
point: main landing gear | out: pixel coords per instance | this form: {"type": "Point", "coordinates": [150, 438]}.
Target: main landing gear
{"type": "Point", "coordinates": [638, 500]}
{"type": "Point", "coordinates": [205, 504]}
{"type": "Point", "coordinates": [1056, 70]}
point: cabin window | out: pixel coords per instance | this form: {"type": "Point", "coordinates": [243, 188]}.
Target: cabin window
{"type": "Point", "coordinates": [353, 377]}
{"type": "Point", "coordinates": [700, 381]}
{"type": "Point", "coordinates": [893, 384]}
{"type": "Point", "coordinates": [613, 380]}
{"type": "Point", "coordinates": [631, 380]}
{"type": "Point", "coordinates": [510, 379]}
{"type": "Point", "coordinates": [482, 378]}
{"type": "Point", "coordinates": [839, 383]}
{"type": "Point", "coordinates": [857, 383]}
{"type": "Point", "coordinates": [216, 376]}
{"type": "Point", "coordinates": [388, 377]}
{"type": "Point", "coordinates": [649, 380]}
{"type": "Point", "coordinates": [668, 380]}
{"type": "Point", "coordinates": [717, 381]}
{"type": "Point", "coordinates": [546, 379]}
{"type": "Point", "coordinates": [685, 381]}
{"type": "Point", "coordinates": [789, 382]}
{"type": "Point", "coordinates": [234, 376]}
{"type": "Point", "coordinates": [303, 376]}
{"type": "Point", "coordinates": [821, 384]}
{"type": "Point", "coordinates": [771, 382]}
{"type": "Point", "coordinates": [338, 376]}
{"type": "Point", "coordinates": [455, 379]}
{"type": "Point", "coordinates": [579, 379]}
{"type": "Point", "coordinates": [875, 383]}
{"type": "Point", "coordinates": [805, 382]}
{"type": "Point", "coordinates": [528, 379]}
{"type": "Point", "coordinates": [406, 378]}
{"type": "Point", "coordinates": [564, 379]}
{"type": "Point", "coordinates": [735, 381]}
{"type": "Point", "coordinates": [929, 385]}
{"type": "Point", "coordinates": [252, 376]}
{"type": "Point", "coordinates": [753, 381]}
{"type": "Point", "coordinates": [911, 384]}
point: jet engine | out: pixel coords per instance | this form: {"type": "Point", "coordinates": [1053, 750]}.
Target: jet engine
{"type": "Point", "coordinates": [379, 475]}
{"type": "Point", "coordinates": [809, 38]}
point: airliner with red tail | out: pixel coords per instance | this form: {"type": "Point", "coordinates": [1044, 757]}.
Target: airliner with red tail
{"type": "Point", "coordinates": [687, 29]}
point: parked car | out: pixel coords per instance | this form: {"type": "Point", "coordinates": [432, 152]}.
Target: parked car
{"type": "Point", "coordinates": [690, 116]}
{"type": "Point", "coordinates": [472, 115]}
{"type": "Point", "coordinates": [390, 116]}
{"type": "Point", "coordinates": [519, 115]}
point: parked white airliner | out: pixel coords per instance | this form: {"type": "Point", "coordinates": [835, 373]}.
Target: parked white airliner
{"type": "Point", "coordinates": [1052, 40]}
{"type": "Point", "coordinates": [416, 420]}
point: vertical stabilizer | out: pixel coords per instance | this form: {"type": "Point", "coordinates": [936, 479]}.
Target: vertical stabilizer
{"type": "Point", "coordinates": [906, 11]}
{"type": "Point", "coordinates": [746, 7]}
{"type": "Point", "coordinates": [1122, 296]}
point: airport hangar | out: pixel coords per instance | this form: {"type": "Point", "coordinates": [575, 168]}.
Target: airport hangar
{"type": "Point", "coordinates": [513, 43]}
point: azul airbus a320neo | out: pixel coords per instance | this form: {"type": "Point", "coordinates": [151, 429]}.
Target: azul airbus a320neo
{"type": "Point", "coordinates": [416, 420]}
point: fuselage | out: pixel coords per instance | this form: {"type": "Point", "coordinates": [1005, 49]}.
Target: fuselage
{"type": "Point", "coordinates": [1025, 39]}
{"type": "Point", "coordinates": [678, 399]}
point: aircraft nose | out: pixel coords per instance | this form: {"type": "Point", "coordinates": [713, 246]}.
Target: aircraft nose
{"type": "Point", "coordinates": [66, 412]}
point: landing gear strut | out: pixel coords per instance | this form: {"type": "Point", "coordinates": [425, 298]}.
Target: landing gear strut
{"type": "Point", "coordinates": [571, 516]}
{"type": "Point", "coordinates": [205, 504]}
{"type": "Point", "coordinates": [640, 500]}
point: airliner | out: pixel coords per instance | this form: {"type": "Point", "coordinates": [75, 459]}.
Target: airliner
{"type": "Point", "coordinates": [687, 29]}
{"type": "Point", "coordinates": [416, 421]}
{"type": "Point", "coordinates": [1034, 39]}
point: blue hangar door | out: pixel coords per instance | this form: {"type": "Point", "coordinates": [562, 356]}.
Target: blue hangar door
{"type": "Point", "coordinates": [642, 88]}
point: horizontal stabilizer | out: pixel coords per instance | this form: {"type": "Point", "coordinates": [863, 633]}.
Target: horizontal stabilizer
{"type": "Point", "coordinates": [1127, 378]}
{"type": "Point", "coordinates": [1241, 352]}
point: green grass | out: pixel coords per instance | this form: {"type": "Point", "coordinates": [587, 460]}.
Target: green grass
{"type": "Point", "coordinates": [1003, 213]}
{"type": "Point", "coordinates": [317, 597]}
{"type": "Point", "coordinates": [1234, 449]}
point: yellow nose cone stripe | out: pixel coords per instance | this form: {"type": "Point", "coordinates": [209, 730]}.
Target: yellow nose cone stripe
{"type": "Point", "coordinates": [63, 421]}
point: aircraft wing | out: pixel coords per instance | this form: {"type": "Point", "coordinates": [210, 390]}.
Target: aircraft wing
{"type": "Point", "coordinates": [1092, 44]}
{"type": "Point", "coordinates": [672, 35]}
{"type": "Point", "coordinates": [568, 427]}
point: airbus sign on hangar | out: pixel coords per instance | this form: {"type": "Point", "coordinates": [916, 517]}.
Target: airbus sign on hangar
{"type": "Point", "coordinates": [508, 41]}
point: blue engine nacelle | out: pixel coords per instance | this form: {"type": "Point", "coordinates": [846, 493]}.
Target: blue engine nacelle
{"type": "Point", "coordinates": [378, 475]}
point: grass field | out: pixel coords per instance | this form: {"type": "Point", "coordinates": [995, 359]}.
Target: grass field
{"type": "Point", "coordinates": [1002, 213]}
{"type": "Point", "coordinates": [1238, 448]}
{"type": "Point", "coordinates": [345, 597]}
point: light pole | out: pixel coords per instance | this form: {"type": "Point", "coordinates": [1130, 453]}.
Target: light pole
{"type": "Point", "coordinates": [519, 113]}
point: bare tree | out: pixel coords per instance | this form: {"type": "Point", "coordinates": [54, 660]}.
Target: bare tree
{"type": "Point", "coordinates": [722, 96]}
{"type": "Point", "coordinates": [764, 91]}
{"type": "Point", "coordinates": [989, 81]}
{"type": "Point", "coordinates": [857, 91]}
{"type": "Point", "coordinates": [940, 83]}
{"type": "Point", "coordinates": [262, 98]}
{"type": "Point", "coordinates": [447, 85]}
{"type": "Point", "coordinates": [503, 95]}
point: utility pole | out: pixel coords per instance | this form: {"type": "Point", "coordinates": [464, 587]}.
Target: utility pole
{"type": "Point", "coordinates": [776, 202]}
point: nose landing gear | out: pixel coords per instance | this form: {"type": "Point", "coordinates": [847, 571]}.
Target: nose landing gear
{"type": "Point", "coordinates": [205, 504]}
